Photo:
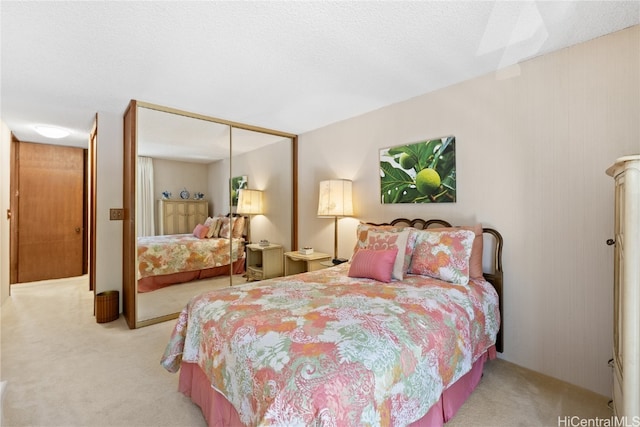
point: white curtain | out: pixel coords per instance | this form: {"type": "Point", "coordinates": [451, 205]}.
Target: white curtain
{"type": "Point", "coordinates": [145, 223]}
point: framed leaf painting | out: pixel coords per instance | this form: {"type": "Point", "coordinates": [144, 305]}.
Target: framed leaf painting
{"type": "Point", "coordinates": [421, 172]}
{"type": "Point", "coordinates": [237, 183]}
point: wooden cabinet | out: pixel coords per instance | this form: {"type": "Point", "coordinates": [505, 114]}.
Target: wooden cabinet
{"type": "Point", "coordinates": [181, 216]}
{"type": "Point", "coordinates": [264, 262]}
{"type": "Point", "coordinates": [626, 287]}
{"type": "Point", "coordinates": [295, 262]}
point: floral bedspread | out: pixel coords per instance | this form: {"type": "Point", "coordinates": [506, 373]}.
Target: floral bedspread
{"type": "Point", "coordinates": [175, 253]}
{"type": "Point", "coordinates": [324, 349]}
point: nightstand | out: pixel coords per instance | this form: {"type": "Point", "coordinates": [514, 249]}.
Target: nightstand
{"type": "Point", "coordinates": [264, 262]}
{"type": "Point", "coordinates": [295, 262]}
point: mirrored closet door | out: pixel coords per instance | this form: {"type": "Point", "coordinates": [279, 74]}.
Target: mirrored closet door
{"type": "Point", "coordinates": [181, 168]}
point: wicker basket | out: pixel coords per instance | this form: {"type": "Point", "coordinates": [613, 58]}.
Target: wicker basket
{"type": "Point", "coordinates": [107, 306]}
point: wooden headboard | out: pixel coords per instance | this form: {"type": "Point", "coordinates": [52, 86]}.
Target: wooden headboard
{"type": "Point", "coordinates": [494, 277]}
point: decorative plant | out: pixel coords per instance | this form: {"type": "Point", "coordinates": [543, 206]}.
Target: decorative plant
{"type": "Point", "coordinates": [423, 172]}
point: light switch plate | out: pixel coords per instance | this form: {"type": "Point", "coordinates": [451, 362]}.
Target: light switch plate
{"type": "Point", "coordinates": [116, 214]}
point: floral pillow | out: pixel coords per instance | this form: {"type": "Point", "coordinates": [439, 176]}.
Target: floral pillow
{"type": "Point", "coordinates": [362, 233]}
{"type": "Point", "coordinates": [443, 255]}
{"type": "Point", "coordinates": [475, 261]}
{"type": "Point", "coordinates": [372, 264]}
{"type": "Point", "coordinates": [216, 232]}
{"type": "Point", "coordinates": [211, 224]}
{"type": "Point", "coordinates": [362, 240]}
{"type": "Point", "coordinates": [225, 228]}
{"type": "Point", "coordinates": [384, 240]}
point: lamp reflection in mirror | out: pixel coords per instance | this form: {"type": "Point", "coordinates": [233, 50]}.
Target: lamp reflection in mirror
{"type": "Point", "coordinates": [335, 201]}
{"type": "Point", "coordinates": [250, 202]}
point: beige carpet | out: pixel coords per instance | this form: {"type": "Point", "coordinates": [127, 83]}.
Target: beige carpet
{"type": "Point", "coordinates": [61, 368]}
{"type": "Point", "coordinates": [172, 298]}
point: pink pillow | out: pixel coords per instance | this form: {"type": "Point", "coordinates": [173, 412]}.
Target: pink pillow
{"type": "Point", "coordinates": [371, 264]}
{"type": "Point", "coordinates": [443, 255]}
{"type": "Point", "coordinates": [200, 231]}
{"type": "Point", "coordinates": [362, 242]}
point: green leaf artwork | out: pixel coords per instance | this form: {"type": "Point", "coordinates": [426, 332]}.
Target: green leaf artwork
{"type": "Point", "coordinates": [422, 172]}
{"type": "Point", "coordinates": [237, 183]}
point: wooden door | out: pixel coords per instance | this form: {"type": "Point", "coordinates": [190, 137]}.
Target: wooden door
{"type": "Point", "coordinates": [92, 203]}
{"type": "Point", "coordinates": [202, 212]}
{"type": "Point", "coordinates": [50, 211]}
{"type": "Point", "coordinates": [189, 217]}
{"type": "Point", "coordinates": [173, 212]}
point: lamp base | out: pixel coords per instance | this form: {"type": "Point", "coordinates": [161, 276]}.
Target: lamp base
{"type": "Point", "coordinates": [337, 261]}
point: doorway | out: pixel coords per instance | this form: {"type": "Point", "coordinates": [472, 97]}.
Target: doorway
{"type": "Point", "coordinates": [49, 204]}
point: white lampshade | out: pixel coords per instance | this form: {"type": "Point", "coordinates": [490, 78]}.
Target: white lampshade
{"type": "Point", "coordinates": [335, 198]}
{"type": "Point", "coordinates": [250, 202]}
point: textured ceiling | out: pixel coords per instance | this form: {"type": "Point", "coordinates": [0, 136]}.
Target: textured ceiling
{"type": "Point", "coordinates": [290, 66]}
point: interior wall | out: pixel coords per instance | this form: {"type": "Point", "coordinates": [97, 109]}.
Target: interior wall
{"type": "Point", "coordinates": [175, 176]}
{"type": "Point", "coordinates": [267, 169]}
{"type": "Point", "coordinates": [218, 184]}
{"type": "Point", "coordinates": [533, 143]}
{"type": "Point", "coordinates": [5, 168]}
{"type": "Point", "coordinates": [109, 195]}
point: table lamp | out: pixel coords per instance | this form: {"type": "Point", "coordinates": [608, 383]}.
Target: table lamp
{"type": "Point", "coordinates": [250, 203]}
{"type": "Point", "coordinates": [335, 201]}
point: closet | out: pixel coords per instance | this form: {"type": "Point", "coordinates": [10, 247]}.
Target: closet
{"type": "Point", "coordinates": [265, 159]}
{"type": "Point", "coordinates": [626, 287]}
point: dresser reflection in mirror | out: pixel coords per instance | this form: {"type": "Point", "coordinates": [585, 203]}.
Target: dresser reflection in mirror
{"type": "Point", "coordinates": [178, 167]}
{"type": "Point", "coordinates": [181, 216]}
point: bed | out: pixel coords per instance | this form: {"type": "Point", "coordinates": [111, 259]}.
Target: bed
{"type": "Point", "coordinates": [179, 258]}
{"type": "Point", "coordinates": [337, 347]}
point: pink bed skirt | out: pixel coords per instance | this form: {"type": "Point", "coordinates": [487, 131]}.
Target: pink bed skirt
{"type": "Point", "coordinates": [219, 412]}
{"type": "Point", "coordinates": [151, 283]}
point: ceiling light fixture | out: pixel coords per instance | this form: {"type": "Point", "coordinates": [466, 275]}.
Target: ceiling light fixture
{"type": "Point", "coordinates": [52, 131]}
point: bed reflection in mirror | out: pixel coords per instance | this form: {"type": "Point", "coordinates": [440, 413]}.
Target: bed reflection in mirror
{"type": "Point", "coordinates": [189, 238]}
